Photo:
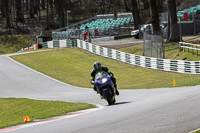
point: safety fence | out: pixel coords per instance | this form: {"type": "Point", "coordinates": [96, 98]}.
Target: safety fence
{"type": "Point", "coordinates": [193, 48]}
{"type": "Point", "coordinates": [180, 66]}
{"type": "Point", "coordinates": [59, 44]}
{"type": "Point", "coordinates": [33, 47]}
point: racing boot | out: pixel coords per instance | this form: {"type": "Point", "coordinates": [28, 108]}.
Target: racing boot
{"type": "Point", "coordinates": [117, 92]}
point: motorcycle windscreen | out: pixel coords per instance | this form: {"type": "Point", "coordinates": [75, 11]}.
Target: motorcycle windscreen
{"type": "Point", "coordinates": [101, 77]}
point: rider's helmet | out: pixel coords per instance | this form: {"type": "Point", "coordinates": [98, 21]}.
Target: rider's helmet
{"type": "Point", "coordinates": [97, 66]}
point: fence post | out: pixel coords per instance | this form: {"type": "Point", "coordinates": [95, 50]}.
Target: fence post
{"type": "Point", "coordinates": [192, 50]}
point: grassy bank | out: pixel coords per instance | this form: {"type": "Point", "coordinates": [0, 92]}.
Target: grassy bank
{"type": "Point", "coordinates": [73, 66]}
{"type": "Point", "coordinates": [10, 44]}
{"type": "Point", "coordinates": [197, 131]}
{"type": "Point", "coordinates": [13, 110]}
{"type": "Point", "coordinates": [171, 52]}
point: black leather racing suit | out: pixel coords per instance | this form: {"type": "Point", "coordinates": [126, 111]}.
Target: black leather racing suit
{"type": "Point", "coordinates": [104, 69]}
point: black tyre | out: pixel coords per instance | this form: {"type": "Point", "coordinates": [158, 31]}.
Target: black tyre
{"type": "Point", "coordinates": [107, 95]}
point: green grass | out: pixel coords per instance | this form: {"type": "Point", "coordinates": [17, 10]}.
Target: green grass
{"type": "Point", "coordinates": [73, 66]}
{"type": "Point", "coordinates": [135, 49]}
{"type": "Point", "coordinates": [198, 131]}
{"type": "Point", "coordinates": [10, 44]}
{"type": "Point", "coordinates": [13, 110]}
{"type": "Point", "coordinates": [130, 38]}
{"type": "Point", "coordinates": [171, 52]}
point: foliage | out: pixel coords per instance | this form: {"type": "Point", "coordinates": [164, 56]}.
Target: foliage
{"type": "Point", "coordinates": [10, 44]}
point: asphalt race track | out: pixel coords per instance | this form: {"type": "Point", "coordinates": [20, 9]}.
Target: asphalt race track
{"type": "Point", "coordinates": [163, 110]}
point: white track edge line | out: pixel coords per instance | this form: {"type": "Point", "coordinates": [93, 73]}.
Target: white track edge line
{"type": "Point", "coordinates": [42, 73]}
{"type": "Point", "coordinates": [86, 111]}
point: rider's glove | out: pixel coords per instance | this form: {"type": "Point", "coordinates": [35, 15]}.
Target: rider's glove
{"type": "Point", "coordinates": [92, 82]}
{"type": "Point", "coordinates": [111, 75]}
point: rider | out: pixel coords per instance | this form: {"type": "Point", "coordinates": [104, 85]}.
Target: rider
{"type": "Point", "coordinates": [97, 68]}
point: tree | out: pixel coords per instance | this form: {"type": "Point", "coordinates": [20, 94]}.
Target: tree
{"type": "Point", "coordinates": [160, 5]}
{"type": "Point", "coordinates": [155, 16]}
{"type": "Point", "coordinates": [135, 13]}
{"type": "Point", "coordinates": [61, 15]}
{"type": "Point", "coordinates": [105, 5]}
{"type": "Point", "coordinates": [2, 9]}
{"type": "Point", "coordinates": [47, 14]}
{"type": "Point", "coordinates": [43, 4]}
{"type": "Point", "coordinates": [51, 5]}
{"type": "Point", "coordinates": [126, 6]}
{"type": "Point", "coordinates": [27, 4]}
{"type": "Point", "coordinates": [20, 16]}
{"type": "Point", "coordinates": [7, 12]}
{"type": "Point", "coordinates": [146, 4]}
{"type": "Point", "coordinates": [31, 8]}
{"type": "Point", "coordinates": [114, 9]}
{"type": "Point", "coordinates": [173, 28]}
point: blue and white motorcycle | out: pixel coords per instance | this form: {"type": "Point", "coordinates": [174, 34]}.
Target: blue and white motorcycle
{"type": "Point", "coordinates": [105, 87]}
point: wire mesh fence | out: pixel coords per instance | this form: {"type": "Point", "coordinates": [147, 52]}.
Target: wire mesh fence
{"type": "Point", "coordinates": [153, 45]}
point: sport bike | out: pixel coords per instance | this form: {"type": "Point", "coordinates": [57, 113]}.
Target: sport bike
{"type": "Point", "coordinates": [105, 87]}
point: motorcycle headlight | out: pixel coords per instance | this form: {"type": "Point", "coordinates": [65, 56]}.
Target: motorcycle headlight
{"type": "Point", "coordinates": [104, 80]}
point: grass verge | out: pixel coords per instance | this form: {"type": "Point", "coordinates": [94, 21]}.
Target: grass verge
{"type": "Point", "coordinates": [13, 110]}
{"type": "Point", "coordinates": [197, 131]}
{"type": "Point", "coordinates": [171, 52]}
{"type": "Point", "coordinates": [73, 66]}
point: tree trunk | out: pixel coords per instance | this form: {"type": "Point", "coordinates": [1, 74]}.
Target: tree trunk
{"type": "Point", "coordinates": [155, 16]}
{"type": "Point", "coordinates": [20, 16]}
{"type": "Point", "coordinates": [38, 8]}
{"type": "Point", "coordinates": [7, 11]}
{"type": "Point", "coordinates": [43, 4]}
{"type": "Point", "coordinates": [160, 5]}
{"type": "Point", "coordinates": [119, 5]}
{"type": "Point", "coordinates": [51, 5]}
{"type": "Point", "coordinates": [27, 5]}
{"type": "Point", "coordinates": [31, 8]}
{"type": "Point", "coordinates": [61, 17]}
{"type": "Point", "coordinates": [146, 4]}
{"type": "Point", "coordinates": [135, 13]}
{"type": "Point", "coordinates": [3, 14]}
{"type": "Point", "coordinates": [47, 15]}
{"type": "Point", "coordinates": [114, 9]}
{"type": "Point", "coordinates": [126, 6]}
{"type": "Point", "coordinates": [174, 33]}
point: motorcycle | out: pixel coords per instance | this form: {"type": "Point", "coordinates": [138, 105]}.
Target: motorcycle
{"type": "Point", "coordinates": [105, 87]}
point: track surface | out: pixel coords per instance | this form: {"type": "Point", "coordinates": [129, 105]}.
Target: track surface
{"type": "Point", "coordinates": [163, 110]}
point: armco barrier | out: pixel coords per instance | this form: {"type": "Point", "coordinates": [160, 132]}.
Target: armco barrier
{"type": "Point", "coordinates": [33, 47]}
{"type": "Point", "coordinates": [59, 44]}
{"type": "Point", "coordinates": [180, 66]}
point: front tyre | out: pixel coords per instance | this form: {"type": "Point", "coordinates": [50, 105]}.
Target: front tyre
{"type": "Point", "coordinates": [108, 97]}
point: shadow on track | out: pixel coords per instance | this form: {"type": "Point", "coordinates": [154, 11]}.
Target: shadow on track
{"type": "Point", "coordinates": [119, 103]}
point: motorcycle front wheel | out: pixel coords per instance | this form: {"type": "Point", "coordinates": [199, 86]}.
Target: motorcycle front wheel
{"type": "Point", "coordinates": [108, 97]}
